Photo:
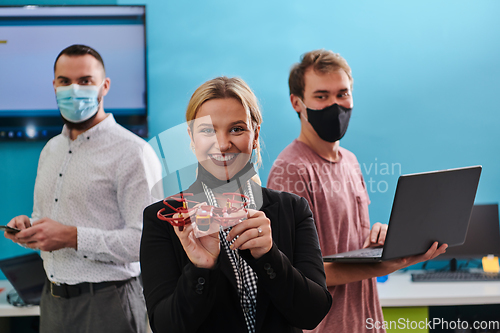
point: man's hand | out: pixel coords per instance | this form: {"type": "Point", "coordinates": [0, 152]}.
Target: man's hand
{"type": "Point", "coordinates": [47, 235]}
{"type": "Point", "coordinates": [342, 273]}
{"type": "Point", "coordinates": [377, 236]}
{"type": "Point", "coordinates": [20, 222]}
{"type": "Point", "coordinates": [432, 253]}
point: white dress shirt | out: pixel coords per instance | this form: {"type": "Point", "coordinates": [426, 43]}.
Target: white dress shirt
{"type": "Point", "coordinates": [100, 182]}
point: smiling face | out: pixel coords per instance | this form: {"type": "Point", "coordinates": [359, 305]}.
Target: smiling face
{"type": "Point", "coordinates": [223, 137]}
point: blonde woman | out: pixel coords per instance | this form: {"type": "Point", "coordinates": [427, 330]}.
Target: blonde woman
{"type": "Point", "coordinates": [264, 274]}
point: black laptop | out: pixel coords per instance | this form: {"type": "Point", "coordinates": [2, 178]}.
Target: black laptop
{"type": "Point", "coordinates": [427, 207]}
{"type": "Point", "coordinates": [27, 276]}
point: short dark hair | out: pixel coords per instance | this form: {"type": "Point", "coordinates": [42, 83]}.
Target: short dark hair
{"type": "Point", "coordinates": [80, 50]}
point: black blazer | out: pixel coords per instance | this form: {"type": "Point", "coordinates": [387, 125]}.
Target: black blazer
{"type": "Point", "coordinates": [291, 288]}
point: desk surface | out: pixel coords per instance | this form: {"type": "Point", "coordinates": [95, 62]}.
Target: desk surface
{"type": "Point", "coordinates": [397, 291]}
{"type": "Point", "coordinates": [400, 291]}
{"type": "Point", "coordinates": [7, 310]}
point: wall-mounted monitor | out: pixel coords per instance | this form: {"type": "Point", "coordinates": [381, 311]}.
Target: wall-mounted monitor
{"type": "Point", "coordinates": [31, 37]}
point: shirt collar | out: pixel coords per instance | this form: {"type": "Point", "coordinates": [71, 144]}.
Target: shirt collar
{"type": "Point", "coordinates": [104, 124]}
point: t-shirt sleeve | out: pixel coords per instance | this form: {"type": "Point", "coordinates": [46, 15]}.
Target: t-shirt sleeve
{"type": "Point", "coordinates": [291, 177]}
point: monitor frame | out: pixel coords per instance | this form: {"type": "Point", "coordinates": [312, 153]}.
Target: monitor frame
{"type": "Point", "coordinates": [41, 126]}
{"type": "Point", "coordinates": [483, 235]}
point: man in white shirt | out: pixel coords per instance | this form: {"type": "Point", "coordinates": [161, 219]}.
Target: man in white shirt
{"type": "Point", "coordinates": [93, 182]}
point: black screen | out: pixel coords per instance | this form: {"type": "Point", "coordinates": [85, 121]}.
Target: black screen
{"type": "Point", "coordinates": [483, 235]}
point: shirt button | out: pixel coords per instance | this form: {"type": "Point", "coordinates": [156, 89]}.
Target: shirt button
{"type": "Point", "coordinates": [247, 310]}
{"type": "Point", "coordinates": [51, 275]}
{"type": "Point", "coordinates": [272, 275]}
{"type": "Point", "coordinates": [201, 281]}
{"type": "Point", "coordinates": [85, 257]}
{"type": "Point", "coordinates": [267, 266]}
{"type": "Point", "coordinates": [60, 175]}
{"type": "Point", "coordinates": [70, 151]}
{"type": "Point", "coordinates": [56, 200]}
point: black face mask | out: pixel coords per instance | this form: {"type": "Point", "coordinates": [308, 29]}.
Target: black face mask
{"type": "Point", "coordinates": [331, 122]}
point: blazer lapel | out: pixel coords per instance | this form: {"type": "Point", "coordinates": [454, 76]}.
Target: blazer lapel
{"type": "Point", "coordinates": [271, 209]}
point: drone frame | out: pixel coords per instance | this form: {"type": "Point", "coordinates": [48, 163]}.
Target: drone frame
{"type": "Point", "coordinates": [204, 215]}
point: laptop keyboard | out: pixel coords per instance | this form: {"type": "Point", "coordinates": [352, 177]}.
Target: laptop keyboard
{"type": "Point", "coordinates": [368, 252]}
{"type": "Point", "coordinates": [447, 276]}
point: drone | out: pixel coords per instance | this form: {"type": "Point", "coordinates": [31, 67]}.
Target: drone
{"type": "Point", "coordinates": [202, 214]}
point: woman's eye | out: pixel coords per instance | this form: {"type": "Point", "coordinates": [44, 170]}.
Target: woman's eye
{"type": "Point", "coordinates": [237, 129]}
{"type": "Point", "coordinates": [207, 130]}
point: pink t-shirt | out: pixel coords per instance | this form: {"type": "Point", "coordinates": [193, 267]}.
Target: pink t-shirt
{"type": "Point", "coordinates": [339, 201]}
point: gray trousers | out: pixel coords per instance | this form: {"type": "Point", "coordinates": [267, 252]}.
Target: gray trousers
{"type": "Point", "coordinates": [107, 310]}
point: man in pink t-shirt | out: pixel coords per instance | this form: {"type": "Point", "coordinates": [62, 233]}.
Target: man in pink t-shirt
{"type": "Point", "coordinates": [315, 167]}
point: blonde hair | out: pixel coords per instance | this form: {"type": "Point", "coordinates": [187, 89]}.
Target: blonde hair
{"type": "Point", "coordinates": [224, 87]}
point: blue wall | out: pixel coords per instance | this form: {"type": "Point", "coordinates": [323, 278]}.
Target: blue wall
{"type": "Point", "coordinates": [426, 82]}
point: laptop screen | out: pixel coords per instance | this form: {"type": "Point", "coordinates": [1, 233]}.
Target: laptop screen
{"type": "Point", "coordinates": [27, 276]}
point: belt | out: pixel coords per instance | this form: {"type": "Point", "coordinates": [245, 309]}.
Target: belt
{"type": "Point", "coordinates": [74, 290]}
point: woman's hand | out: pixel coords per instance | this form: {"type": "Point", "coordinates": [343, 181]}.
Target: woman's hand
{"type": "Point", "coordinates": [254, 234]}
{"type": "Point", "coordinates": [202, 251]}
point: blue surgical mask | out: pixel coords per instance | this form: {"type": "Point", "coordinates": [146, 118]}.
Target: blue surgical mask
{"type": "Point", "coordinates": [78, 103]}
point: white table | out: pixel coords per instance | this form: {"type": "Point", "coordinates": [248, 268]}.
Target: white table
{"type": "Point", "coordinates": [7, 310]}
{"type": "Point", "coordinates": [400, 291]}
